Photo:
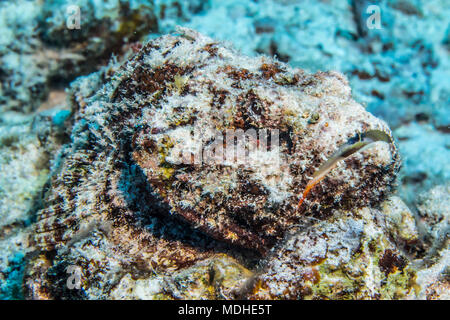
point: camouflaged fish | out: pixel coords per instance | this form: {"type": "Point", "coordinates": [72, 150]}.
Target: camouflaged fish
{"type": "Point", "coordinates": [141, 169]}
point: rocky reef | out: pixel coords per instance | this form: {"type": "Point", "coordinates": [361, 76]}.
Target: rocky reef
{"type": "Point", "coordinates": [120, 184]}
{"type": "Point", "coordinates": [130, 206]}
{"type": "Point", "coordinates": [41, 54]}
{"type": "Point", "coordinates": [27, 147]}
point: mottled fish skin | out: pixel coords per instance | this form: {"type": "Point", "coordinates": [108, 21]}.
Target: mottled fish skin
{"type": "Point", "coordinates": [119, 179]}
{"type": "Point", "coordinates": [224, 90]}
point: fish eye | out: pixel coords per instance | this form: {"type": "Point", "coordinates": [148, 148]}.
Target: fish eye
{"type": "Point", "coordinates": [354, 139]}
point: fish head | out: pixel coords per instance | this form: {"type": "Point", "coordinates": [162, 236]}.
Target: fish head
{"type": "Point", "coordinates": [352, 155]}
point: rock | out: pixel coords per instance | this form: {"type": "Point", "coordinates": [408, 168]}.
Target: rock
{"type": "Point", "coordinates": [40, 50]}
{"type": "Point", "coordinates": [215, 278]}
{"type": "Point", "coordinates": [400, 221]}
{"type": "Point", "coordinates": [434, 216]}
{"type": "Point", "coordinates": [23, 73]}
{"type": "Point", "coordinates": [424, 152]}
{"type": "Point", "coordinates": [348, 256]}
{"type": "Point", "coordinates": [434, 279]}
{"type": "Point", "coordinates": [399, 71]}
{"type": "Point", "coordinates": [26, 143]}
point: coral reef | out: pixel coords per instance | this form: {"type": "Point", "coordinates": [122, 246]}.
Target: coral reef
{"type": "Point", "coordinates": [401, 71]}
{"type": "Point", "coordinates": [219, 277]}
{"type": "Point", "coordinates": [425, 164]}
{"type": "Point", "coordinates": [121, 179]}
{"type": "Point", "coordinates": [433, 222]}
{"type": "Point", "coordinates": [22, 73]}
{"type": "Point", "coordinates": [125, 203]}
{"type": "Point", "coordinates": [348, 256]}
{"type": "Point", "coordinates": [40, 53]}
{"type": "Point", "coordinates": [27, 143]}
{"type": "Point", "coordinates": [434, 216]}
{"type": "Point", "coordinates": [360, 254]}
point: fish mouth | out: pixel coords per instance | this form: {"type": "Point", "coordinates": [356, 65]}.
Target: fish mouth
{"type": "Point", "coordinates": [355, 144]}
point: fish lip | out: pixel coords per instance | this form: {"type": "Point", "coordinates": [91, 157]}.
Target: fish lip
{"type": "Point", "coordinates": [358, 143]}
